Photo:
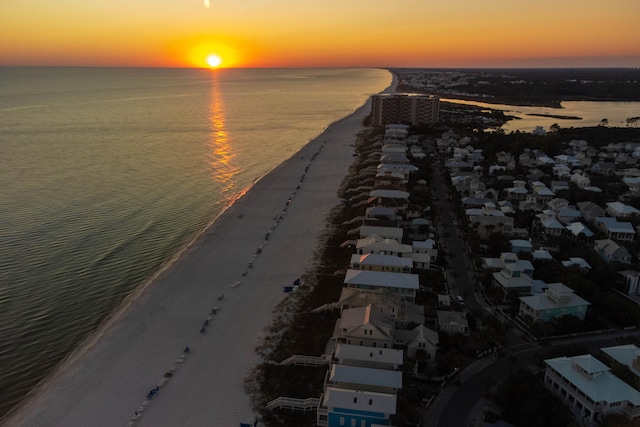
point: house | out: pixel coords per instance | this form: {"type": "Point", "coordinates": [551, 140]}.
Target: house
{"type": "Point", "coordinates": [424, 253]}
{"type": "Point", "coordinates": [405, 285]}
{"type": "Point", "coordinates": [590, 211]}
{"type": "Point", "coordinates": [452, 322]}
{"type": "Point", "coordinates": [631, 281]}
{"type": "Point", "coordinates": [627, 355]}
{"type": "Point", "coordinates": [579, 230]}
{"type": "Point", "coordinates": [542, 255]}
{"type": "Point", "coordinates": [610, 251]}
{"type": "Point", "coordinates": [395, 233]}
{"type": "Point", "coordinates": [344, 407]}
{"type": "Point", "coordinates": [486, 225]}
{"type": "Point", "coordinates": [577, 262]}
{"type": "Point", "coordinates": [514, 277]}
{"type": "Point", "coordinates": [557, 186]}
{"type": "Point", "coordinates": [419, 338]}
{"type": "Point", "coordinates": [380, 212]}
{"type": "Point", "coordinates": [568, 215]}
{"type": "Point", "coordinates": [551, 227]}
{"type": "Point", "coordinates": [377, 262]}
{"type": "Point", "coordinates": [363, 378]}
{"type": "Point", "coordinates": [387, 303]}
{"type": "Point", "coordinates": [381, 358]}
{"type": "Point", "coordinates": [366, 327]}
{"type": "Point", "coordinates": [619, 231]}
{"type": "Point", "coordinates": [520, 245]}
{"type": "Point", "coordinates": [377, 245]}
{"type": "Point", "coordinates": [589, 389]}
{"type": "Point", "coordinates": [580, 180]}
{"type": "Point", "coordinates": [620, 210]}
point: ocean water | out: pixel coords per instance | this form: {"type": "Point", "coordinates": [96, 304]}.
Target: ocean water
{"type": "Point", "coordinates": [107, 173]}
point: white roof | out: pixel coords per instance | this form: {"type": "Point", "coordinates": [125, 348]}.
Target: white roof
{"type": "Point", "coordinates": [357, 400]}
{"type": "Point", "coordinates": [382, 279]}
{"type": "Point", "coordinates": [603, 386]}
{"type": "Point", "coordinates": [624, 354]}
{"type": "Point", "coordinates": [543, 302]}
{"type": "Point", "coordinates": [369, 354]}
{"type": "Point", "coordinates": [366, 376]}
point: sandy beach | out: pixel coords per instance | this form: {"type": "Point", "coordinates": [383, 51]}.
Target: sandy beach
{"type": "Point", "coordinates": [263, 242]}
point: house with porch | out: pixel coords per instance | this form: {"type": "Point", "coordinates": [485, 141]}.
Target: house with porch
{"type": "Point", "coordinates": [366, 327]}
{"type": "Point", "coordinates": [589, 389]}
{"type": "Point", "coordinates": [610, 251]}
{"type": "Point", "coordinates": [403, 284]}
{"type": "Point", "coordinates": [557, 300]}
{"type": "Point", "coordinates": [378, 262]}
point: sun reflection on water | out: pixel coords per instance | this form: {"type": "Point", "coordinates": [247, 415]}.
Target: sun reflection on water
{"type": "Point", "coordinates": [223, 169]}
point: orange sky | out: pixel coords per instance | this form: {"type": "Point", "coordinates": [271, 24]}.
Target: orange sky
{"type": "Point", "coordinates": [328, 33]}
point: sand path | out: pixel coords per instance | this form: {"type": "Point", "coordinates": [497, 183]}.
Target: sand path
{"type": "Point", "coordinates": [111, 378]}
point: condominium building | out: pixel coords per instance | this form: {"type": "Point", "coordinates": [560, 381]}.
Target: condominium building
{"type": "Point", "coordinates": [414, 109]}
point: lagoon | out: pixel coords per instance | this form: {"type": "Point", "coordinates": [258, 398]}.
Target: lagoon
{"type": "Point", "coordinates": [591, 113]}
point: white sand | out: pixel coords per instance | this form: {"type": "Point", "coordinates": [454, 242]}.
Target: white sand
{"type": "Point", "coordinates": [110, 378]}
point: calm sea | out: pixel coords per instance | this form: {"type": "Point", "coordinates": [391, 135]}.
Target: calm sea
{"type": "Point", "coordinates": [106, 173]}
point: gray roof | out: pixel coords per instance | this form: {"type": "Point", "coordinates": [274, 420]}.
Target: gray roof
{"type": "Point", "coordinates": [387, 356]}
{"type": "Point", "coordinates": [357, 400]}
{"type": "Point", "coordinates": [366, 376]}
{"type": "Point", "coordinates": [382, 279]}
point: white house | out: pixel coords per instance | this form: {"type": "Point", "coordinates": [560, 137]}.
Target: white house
{"type": "Point", "coordinates": [589, 389]}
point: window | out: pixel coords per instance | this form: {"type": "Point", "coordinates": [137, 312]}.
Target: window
{"type": "Point", "coordinates": [341, 421]}
{"type": "Point", "coordinates": [355, 400]}
{"type": "Point", "coordinates": [370, 401]}
{"type": "Point", "coordinates": [353, 423]}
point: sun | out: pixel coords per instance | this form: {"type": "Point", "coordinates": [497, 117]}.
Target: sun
{"type": "Point", "coordinates": [214, 61]}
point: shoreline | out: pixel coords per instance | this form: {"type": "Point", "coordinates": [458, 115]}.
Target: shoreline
{"type": "Point", "coordinates": [173, 297]}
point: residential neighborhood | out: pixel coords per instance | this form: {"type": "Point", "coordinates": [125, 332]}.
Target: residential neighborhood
{"type": "Point", "coordinates": [461, 249]}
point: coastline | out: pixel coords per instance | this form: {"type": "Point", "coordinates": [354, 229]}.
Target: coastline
{"type": "Point", "coordinates": [107, 378]}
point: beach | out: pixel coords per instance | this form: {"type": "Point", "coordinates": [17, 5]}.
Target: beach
{"type": "Point", "coordinates": [135, 370]}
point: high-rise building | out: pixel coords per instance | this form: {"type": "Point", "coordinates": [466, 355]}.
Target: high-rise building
{"type": "Point", "coordinates": [408, 108]}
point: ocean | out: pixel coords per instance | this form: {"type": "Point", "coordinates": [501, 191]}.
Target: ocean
{"type": "Point", "coordinates": [108, 173]}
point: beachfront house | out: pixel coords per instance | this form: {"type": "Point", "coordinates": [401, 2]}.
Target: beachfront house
{"type": "Point", "coordinates": [401, 284]}
{"type": "Point", "coordinates": [387, 303]}
{"type": "Point", "coordinates": [377, 245]}
{"type": "Point", "coordinates": [342, 407]}
{"type": "Point", "coordinates": [394, 233]}
{"type": "Point", "coordinates": [365, 326]}
{"type": "Point", "coordinates": [377, 262]}
{"type": "Point", "coordinates": [381, 358]}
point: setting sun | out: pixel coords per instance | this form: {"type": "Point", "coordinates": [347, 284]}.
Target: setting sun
{"type": "Point", "coordinates": [214, 61]}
